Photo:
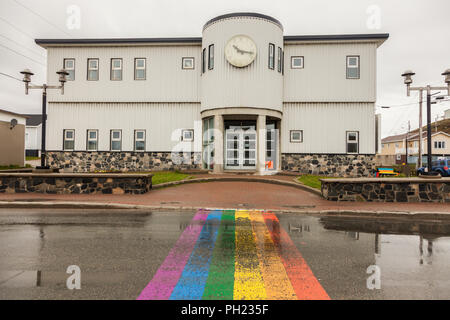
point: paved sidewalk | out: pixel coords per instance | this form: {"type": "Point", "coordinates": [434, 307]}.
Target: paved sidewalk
{"type": "Point", "coordinates": [235, 194]}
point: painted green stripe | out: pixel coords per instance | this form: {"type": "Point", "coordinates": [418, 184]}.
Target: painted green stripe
{"type": "Point", "coordinates": [220, 283]}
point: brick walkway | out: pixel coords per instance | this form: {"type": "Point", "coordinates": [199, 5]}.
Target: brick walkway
{"type": "Point", "coordinates": [233, 195]}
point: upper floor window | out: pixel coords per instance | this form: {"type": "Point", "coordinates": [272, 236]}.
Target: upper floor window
{"type": "Point", "coordinates": [116, 140]}
{"type": "Point", "coordinates": [280, 59]}
{"type": "Point", "coordinates": [204, 60]}
{"type": "Point", "coordinates": [439, 144]}
{"type": "Point", "coordinates": [139, 69]}
{"type": "Point", "coordinates": [92, 73]}
{"type": "Point", "coordinates": [297, 62]}
{"type": "Point", "coordinates": [211, 57]}
{"type": "Point", "coordinates": [271, 56]}
{"type": "Point", "coordinates": [352, 67]}
{"type": "Point", "coordinates": [352, 141]}
{"type": "Point", "coordinates": [69, 139]}
{"type": "Point", "coordinates": [69, 65]}
{"type": "Point", "coordinates": [92, 140]}
{"type": "Point", "coordinates": [187, 63]}
{"type": "Point", "coordinates": [116, 69]}
{"type": "Point", "coordinates": [139, 140]}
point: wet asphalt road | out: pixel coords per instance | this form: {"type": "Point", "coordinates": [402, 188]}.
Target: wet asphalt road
{"type": "Point", "coordinates": [120, 253]}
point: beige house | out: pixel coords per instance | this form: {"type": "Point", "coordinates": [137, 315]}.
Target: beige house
{"type": "Point", "coordinates": [12, 138]}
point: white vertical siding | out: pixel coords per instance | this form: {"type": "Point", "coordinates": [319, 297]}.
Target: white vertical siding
{"type": "Point", "coordinates": [324, 127]}
{"type": "Point", "coordinates": [166, 81]}
{"type": "Point", "coordinates": [253, 86]}
{"type": "Point", "coordinates": [324, 78]}
{"type": "Point", "coordinates": [163, 123]}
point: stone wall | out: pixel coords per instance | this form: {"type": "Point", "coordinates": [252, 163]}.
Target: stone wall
{"type": "Point", "coordinates": [387, 189]}
{"type": "Point", "coordinates": [65, 183]}
{"type": "Point", "coordinates": [336, 165]}
{"type": "Point", "coordinates": [84, 161]}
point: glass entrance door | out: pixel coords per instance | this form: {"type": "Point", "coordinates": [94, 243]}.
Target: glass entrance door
{"type": "Point", "coordinates": [240, 147]}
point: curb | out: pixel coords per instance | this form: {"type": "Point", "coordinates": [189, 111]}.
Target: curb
{"type": "Point", "coordinates": [337, 213]}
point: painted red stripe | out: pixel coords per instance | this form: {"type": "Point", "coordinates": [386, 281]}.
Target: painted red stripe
{"type": "Point", "coordinates": [305, 284]}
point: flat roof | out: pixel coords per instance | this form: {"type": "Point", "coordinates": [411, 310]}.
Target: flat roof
{"type": "Point", "coordinates": [243, 14]}
{"type": "Point", "coordinates": [198, 40]}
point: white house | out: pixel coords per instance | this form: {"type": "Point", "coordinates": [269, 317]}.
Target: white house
{"type": "Point", "coordinates": [244, 96]}
{"type": "Point", "coordinates": [33, 131]}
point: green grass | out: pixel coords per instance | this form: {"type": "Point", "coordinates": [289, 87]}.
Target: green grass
{"type": "Point", "coordinates": [312, 180]}
{"type": "Point", "coordinates": [168, 176]}
{"type": "Point", "coordinates": [13, 166]}
{"type": "Point", "coordinates": [32, 158]}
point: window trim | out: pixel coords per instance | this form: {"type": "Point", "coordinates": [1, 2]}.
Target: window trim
{"type": "Point", "coordinates": [89, 139]}
{"type": "Point", "coordinates": [112, 69]}
{"type": "Point", "coordinates": [182, 63]}
{"type": "Point", "coordinates": [183, 132]}
{"type": "Point", "coordinates": [203, 60]}
{"type": "Point", "coordinates": [271, 58]}
{"type": "Point", "coordinates": [111, 139]}
{"type": "Point", "coordinates": [279, 60]}
{"type": "Point", "coordinates": [67, 69]}
{"type": "Point", "coordinates": [347, 141]}
{"type": "Point", "coordinates": [65, 139]}
{"type": "Point", "coordinates": [136, 139]}
{"type": "Point", "coordinates": [298, 57]}
{"type": "Point", "coordinates": [294, 140]}
{"type": "Point", "coordinates": [140, 68]}
{"type": "Point", "coordinates": [211, 59]}
{"type": "Point", "coordinates": [353, 67]}
{"type": "Point", "coordinates": [89, 69]}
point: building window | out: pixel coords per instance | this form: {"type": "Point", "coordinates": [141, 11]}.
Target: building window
{"type": "Point", "coordinates": [92, 74]}
{"type": "Point", "coordinates": [116, 69]}
{"type": "Point", "coordinates": [69, 65]}
{"type": "Point", "coordinates": [187, 135]}
{"type": "Point", "coordinates": [352, 141]}
{"type": "Point", "coordinates": [211, 57]}
{"type": "Point", "coordinates": [69, 139]}
{"type": "Point", "coordinates": [280, 59]}
{"type": "Point", "coordinates": [271, 56]}
{"type": "Point", "coordinates": [139, 140]}
{"type": "Point", "coordinates": [297, 62]}
{"type": "Point", "coordinates": [139, 69]}
{"type": "Point", "coordinates": [296, 135]}
{"type": "Point", "coordinates": [187, 63]}
{"type": "Point", "coordinates": [352, 67]}
{"type": "Point", "coordinates": [116, 140]}
{"type": "Point", "coordinates": [439, 144]}
{"type": "Point", "coordinates": [282, 63]}
{"type": "Point", "coordinates": [204, 60]}
{"type": "Point", "coordinates": [92, 140]}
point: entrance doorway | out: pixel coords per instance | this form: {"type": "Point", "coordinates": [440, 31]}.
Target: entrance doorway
{"type": "Point", "coordinates": [240, 145]}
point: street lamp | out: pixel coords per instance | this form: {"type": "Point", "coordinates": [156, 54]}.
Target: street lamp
{"type": "Point", "coordinates": [408, 81]}
{"type": "Point", "coordinates": [27, 79]}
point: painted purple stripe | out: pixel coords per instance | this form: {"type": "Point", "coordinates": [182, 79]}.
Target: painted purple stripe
{"type": "Point", "coordinates": [168, 274]}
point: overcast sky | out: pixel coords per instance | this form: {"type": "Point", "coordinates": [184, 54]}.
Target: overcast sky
{"type": "Point", "coordinates": [419, 38]}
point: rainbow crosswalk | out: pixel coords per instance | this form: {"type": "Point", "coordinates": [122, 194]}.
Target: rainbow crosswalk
{"type": "Point", "coordinates": [234, 254]}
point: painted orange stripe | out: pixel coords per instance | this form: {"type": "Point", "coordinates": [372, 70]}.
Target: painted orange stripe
{"type": "Point", "coordinates": [276, 281]}
{"type": "Point", "coordinates": [305, 284]}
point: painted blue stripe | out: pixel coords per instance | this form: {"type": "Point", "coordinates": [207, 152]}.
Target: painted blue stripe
{"type": "Point", "coordinates": [193, 279]}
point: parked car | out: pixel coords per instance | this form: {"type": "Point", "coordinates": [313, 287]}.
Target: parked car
{"type": "Point", "coordinates": [441, 166]}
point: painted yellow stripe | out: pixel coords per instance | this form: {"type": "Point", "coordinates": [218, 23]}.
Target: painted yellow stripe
{"type": "Point", "coordinates": [276, 281]}
{"type": "Point", "coordinates": [248, 281]}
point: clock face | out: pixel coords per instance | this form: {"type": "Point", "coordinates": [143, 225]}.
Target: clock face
{"type": "Point", "coordinates": [240, 51]}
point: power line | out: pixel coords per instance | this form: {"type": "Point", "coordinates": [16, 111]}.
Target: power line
{"type": "Point", "coordinates": [19, 44]}
{"type": "Point", "coordinates": [40, 16]}
{"type": "Point", "coordinates": [17, 29]}
{"type": "Point", "coordinates": [20, 54]}
{"type": "Point", "coordinates": [10, 76]}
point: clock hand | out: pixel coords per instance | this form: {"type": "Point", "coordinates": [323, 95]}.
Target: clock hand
{"type": "Point", "coordinates": [242, 51]}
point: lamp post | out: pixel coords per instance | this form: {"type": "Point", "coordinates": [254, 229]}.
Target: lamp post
{"type": "Point", "coordinates": [408, 81]}
{"type": "Point", "coordinates": [27, 79]}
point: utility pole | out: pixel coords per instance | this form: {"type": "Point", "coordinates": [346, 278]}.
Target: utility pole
{"type": "Point", "coordinates": [419, 162]}
{"type": "Point", "coordinates": [408, 80]}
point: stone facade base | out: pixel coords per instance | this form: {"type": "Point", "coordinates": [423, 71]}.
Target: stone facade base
{"type": "Point", "coordinates": [65, 183]}
{"type": "Point", "coordinates": [335, 165]}
{"type": "Point", "coordinates": [387, 190]}
{"type": "Point", "coordinates": [80, 161]}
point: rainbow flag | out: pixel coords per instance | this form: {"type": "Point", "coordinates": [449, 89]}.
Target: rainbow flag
{"type": "Point", "coordinates": [234, 254]}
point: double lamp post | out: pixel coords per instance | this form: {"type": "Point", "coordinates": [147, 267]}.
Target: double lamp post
{"type": "Point", "coordinates": [408, 81]}
{"type": "Point", "coordinates": [27, 79]}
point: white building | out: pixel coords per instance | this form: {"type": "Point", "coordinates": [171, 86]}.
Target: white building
{"type": "Point", "coordinates": [33, 131]}
{"type": "Point", "coordinates": [244, 96]}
